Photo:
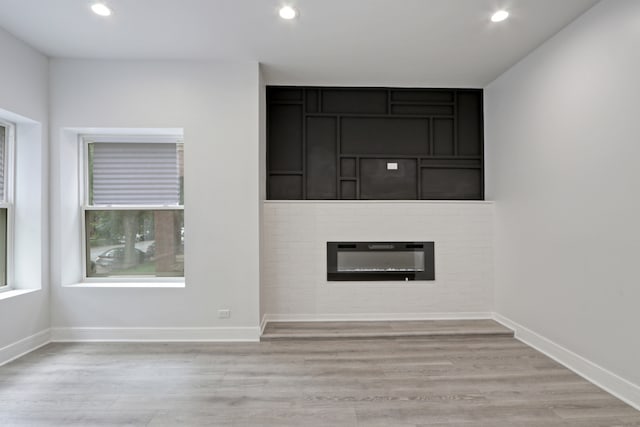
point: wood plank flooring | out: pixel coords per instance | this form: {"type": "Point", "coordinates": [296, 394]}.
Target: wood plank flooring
{"type": "Point", "coordinates": [384, 329]}
{"type": "Point", "coordinates": [488, 381]}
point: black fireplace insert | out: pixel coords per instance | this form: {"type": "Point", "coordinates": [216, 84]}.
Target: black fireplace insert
{"type": "Point", "coordinates": [377, 261]}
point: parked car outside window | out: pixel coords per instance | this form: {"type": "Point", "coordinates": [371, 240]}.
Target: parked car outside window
{"type": "Point", "coordinates": [115, 258]}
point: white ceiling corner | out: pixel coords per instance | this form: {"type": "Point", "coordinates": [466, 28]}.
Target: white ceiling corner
{"type": "Point", "coordinates": [432, 43]}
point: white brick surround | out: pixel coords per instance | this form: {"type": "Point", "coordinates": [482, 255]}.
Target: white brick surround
{"type": "Point", "coordinates": [294, 259]}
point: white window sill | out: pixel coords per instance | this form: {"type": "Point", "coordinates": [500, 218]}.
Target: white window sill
{"type": "Point", "coordinates": [15, 292]}
{"type": "Point", "coordinates": [144, 285]}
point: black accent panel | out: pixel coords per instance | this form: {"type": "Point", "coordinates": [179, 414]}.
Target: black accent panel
{"type": "Point", "coordinates": [332, 143]}
{"type": "Point", "coordinates": [422, 110]}
{"type": "Point", "coordinates": [354, 101]}
{"type": "Point", "coordinates": [380, 261]}
{"type": "Point", "coordinates": [321, 158]}
{"type": "Point", "coordinates": [285, 137]}
{"type": "Point", "coordinates": [443, 137]}
{"type": "Point", "coordinates": [469, 124]}
{"type": "Point", "coordinates": [275, 93]}
{"type": "Point", "coordinates": [422, 95]}
{"type": "Point", "coordinates": [377, 182]}
{"type": "Point", "coordinates": [312, 102]}
{"type": "Point", "coordinates": [397, 136]}
{"type": "Point", "coordinates": [348, 190]}
{"type": "Point", "coordinates": [441, 183]}
{"type": "Point", "coordinates": [451, 161]}
{"type": "Point", "coordinates": [285, 187]}
{"type": "Point", "coordinates": [348, 167]}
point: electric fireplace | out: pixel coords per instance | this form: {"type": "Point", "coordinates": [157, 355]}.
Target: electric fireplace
{"type": "Point", "coordinates": [372, 261]}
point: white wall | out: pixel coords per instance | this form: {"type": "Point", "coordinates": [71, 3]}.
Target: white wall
{"type": "Point", "coordinates": [563, 145]}
{"type": "Point", "coordinates": [24, 101]}
{"type": "Point", "coordinates": [262, 168]}
{"type": "Point", "coordinates": [296, 234]}
{"type": "Point", "coordinates": [217, 106]}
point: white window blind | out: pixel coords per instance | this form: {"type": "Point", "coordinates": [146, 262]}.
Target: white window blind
{"type": "Point", "coordinates": [142, 174]}
{"type": "Point", "coordinates": [3, 144]}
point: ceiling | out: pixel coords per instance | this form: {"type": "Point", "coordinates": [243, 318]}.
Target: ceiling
{"type": "Point", "coordinates": [333, 42]}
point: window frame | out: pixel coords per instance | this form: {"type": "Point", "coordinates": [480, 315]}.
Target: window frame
{"type": "Point", "coordinates": [8, 202]}
{"type": "Point", "coordinates": [85, 141]}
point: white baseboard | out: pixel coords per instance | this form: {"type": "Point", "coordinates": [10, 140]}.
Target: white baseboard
{"type": "Point", "coordinates": [263, 324]}
{"type": "Point", "coordinates": [205, 334]}
{"type": "Point", "coordinates": [608, 381]}
{"type": "Point", "coordinates": [330, 317]}
{"type": "Point", "coordinates": [26, 345]}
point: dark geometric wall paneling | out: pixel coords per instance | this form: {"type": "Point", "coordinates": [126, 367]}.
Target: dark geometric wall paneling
{"type": "Point", "coordinates": [374, 143]}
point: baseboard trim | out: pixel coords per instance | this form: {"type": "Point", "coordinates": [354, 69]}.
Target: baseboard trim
{"type": "Point", "coordinates": [606, 380]}
{"type": "Point", "coordinates": [205, 334]}
{"type": "Point", "coordinates": [26, 345]}
{"type": "Point", "coordinates": [329, 317]}
{"type": "Point", "coordinates": [263, 324]}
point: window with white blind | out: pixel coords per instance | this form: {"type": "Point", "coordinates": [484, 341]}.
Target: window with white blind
{"type": "Point", "coordinates": [134, 207]}
{"type": "Point", "coordinates": [7, 134]}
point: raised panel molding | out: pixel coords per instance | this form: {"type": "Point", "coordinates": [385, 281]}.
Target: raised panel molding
{"type": "Point", "coordinates": [319, 137]}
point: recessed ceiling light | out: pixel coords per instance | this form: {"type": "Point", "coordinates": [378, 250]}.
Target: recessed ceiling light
{"type": "Point", "coordinates": [499, 16]}
{"type": "Point", "coordinates": [101, 9]}
{"type": "Point", "coordinates": [287, 12]}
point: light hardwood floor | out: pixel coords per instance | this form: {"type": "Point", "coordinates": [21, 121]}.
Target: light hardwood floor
{"type": "Point", "coordinates": [382, 329]}
{"type": "Point", "coordinates": [488, 381]}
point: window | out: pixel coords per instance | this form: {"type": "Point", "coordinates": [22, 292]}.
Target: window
{"type": "Point", "coordinates": [7, 131]}
{"type": "Point", "coordinates": [133, 207]}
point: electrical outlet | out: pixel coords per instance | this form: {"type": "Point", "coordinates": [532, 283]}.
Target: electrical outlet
{"type": "Point", "coordinates": [224, 313]}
